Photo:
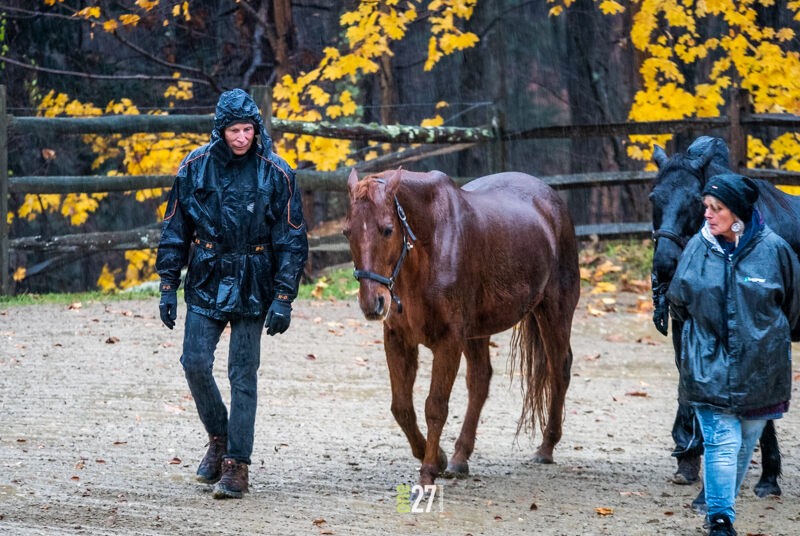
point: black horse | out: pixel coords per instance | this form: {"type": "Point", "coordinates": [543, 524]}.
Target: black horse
{"type": "Point", "coordinates": [677, 215]}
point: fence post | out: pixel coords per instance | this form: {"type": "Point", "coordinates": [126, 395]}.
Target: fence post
{"type": "Point", "coordinates": [5, 287]}
{"type": "Point", "coordinates": [738, 109]}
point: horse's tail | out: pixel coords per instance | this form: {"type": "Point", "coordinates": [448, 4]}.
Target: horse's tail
{"type": "Point", "coordinates": [537, 374]}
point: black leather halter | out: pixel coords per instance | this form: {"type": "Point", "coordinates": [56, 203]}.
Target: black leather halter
{"type": "Point", "coordinates": [671, 235]}
{"type": "Point", "coordinates": [408, 243]}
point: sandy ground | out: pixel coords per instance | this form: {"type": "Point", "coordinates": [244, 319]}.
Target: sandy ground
{"type": "Point", "coordinates": [99, 435]}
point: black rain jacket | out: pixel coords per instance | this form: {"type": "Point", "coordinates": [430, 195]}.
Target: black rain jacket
{"type": "Point", "coordinates": [737, 311]}
{"type": "Point", "coordinates": [237, 221]}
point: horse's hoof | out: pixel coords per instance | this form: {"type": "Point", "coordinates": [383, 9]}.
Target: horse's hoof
{"type": "Point", "coordinates": [764, 488]}
{"type": "Point", "coordinates": [456, 470]}
{"type": "Point", "coordinates": [699, 503]}
{"type": "Point", "coordinates": [688, 471]}
{"type": "Point", "coordinates": [543, 458]}
{"type": "Point", "coordinates": [442, 461]}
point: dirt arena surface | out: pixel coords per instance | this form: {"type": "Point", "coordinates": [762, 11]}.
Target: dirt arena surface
{"type": "Point", "coordinates": [99, 435]}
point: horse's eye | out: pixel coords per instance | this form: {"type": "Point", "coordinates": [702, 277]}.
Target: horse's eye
{"type": "Point", "coordinates": [387, 231]}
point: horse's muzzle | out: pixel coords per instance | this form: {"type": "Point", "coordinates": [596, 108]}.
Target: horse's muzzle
{"type": "Point", "coordinates": [376, 308]}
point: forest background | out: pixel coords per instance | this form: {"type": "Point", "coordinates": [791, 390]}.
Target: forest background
{"type": "Point", "coordinates": [441, 62]}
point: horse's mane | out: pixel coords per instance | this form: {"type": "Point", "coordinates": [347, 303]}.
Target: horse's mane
{"type": "Point", "coordinates": [413, 180]}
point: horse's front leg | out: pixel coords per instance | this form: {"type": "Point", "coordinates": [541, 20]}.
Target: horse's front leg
{"type": "Point", "coordinates": [479, 375]}
{"type": "Point", "coordinates": [403, 360]}
{"type": "Point", "coordinates": [770, 462]}
{"type": "Point", "coordinates": [446, 360]}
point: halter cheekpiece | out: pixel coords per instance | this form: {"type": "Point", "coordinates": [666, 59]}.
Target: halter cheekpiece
{"type": "Point", "coordinates": [408, 243]}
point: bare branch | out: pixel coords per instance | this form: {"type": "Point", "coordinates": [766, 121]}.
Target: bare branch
{"type": "Point", "coordinates": [92, 76]}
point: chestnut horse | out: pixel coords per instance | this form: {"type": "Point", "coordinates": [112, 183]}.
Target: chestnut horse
{"type": "Point", "coordinates": [447, 267]}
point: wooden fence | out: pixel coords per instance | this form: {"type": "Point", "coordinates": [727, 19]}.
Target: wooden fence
{"type": "Point", "coordinates": [433, 140]}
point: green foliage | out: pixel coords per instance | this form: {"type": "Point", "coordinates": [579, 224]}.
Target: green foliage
{"type": "Point", "coordinates": [74, 298]}
{"type": "Point", "coordinates": [635, 256]}
{"type": "Point", "coordinates": [338, 284]}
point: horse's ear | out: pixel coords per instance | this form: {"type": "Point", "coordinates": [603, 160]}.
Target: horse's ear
{"type": "Point", "coordinates": [393, 182]}
{"type": "Point", "coordinates": [659, 156]}
{"type": "Point", "coordinates": [352, 182]}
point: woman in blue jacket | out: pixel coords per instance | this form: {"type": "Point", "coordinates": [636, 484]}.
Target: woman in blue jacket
{"type": "Point", "coordinates": [737, 289]}
{"type": "Point", "coordinates": [234, 215]}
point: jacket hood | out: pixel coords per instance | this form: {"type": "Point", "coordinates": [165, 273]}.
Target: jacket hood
{"type": "Point", "coordinates": [235, 106]}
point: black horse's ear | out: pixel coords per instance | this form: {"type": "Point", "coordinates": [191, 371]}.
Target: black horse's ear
{"type": "Point", "coordinates": [659, 156]}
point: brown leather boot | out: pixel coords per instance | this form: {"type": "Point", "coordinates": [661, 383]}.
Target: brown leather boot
{"type": "Point", "coordinates": [210, 468]}
{"type": "Point", "coordinates": [234, 481]}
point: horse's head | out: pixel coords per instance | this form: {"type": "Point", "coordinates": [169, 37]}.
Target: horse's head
{"type": "Point", "coordinates": [378, 239]}
{"type": "Point", "coordinates": [677, 198]}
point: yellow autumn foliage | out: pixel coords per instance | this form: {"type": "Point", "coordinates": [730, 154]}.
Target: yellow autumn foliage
{"type": "Point", "coordinates": [325, 92]}
{"type": "Point", "coordinates": [757, 57]}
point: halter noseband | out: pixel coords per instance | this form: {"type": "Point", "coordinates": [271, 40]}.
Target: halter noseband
{"type": "Point", "coordinates": [408, 243]}
{"type": "Point", "coordinates": [671, 235]}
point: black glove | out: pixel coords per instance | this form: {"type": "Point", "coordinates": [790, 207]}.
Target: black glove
{"type": "Point", "coordinates": [168, 307]}
{"type": "Point", "coordinates": [278, 317]}
{"type": "Point", "coordinates": [660, 308]}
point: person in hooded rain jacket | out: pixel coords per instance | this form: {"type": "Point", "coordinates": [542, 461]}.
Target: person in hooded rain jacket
{"type": "Point", "coordinates": [235, 217]}
{"type": "Point", "coordinates": [737, 289]}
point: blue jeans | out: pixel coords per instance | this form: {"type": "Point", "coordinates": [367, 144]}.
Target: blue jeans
{"type": "Point", "coordinates": [729, 444]}
{"type": "Point", "coordinates": [200, 340]}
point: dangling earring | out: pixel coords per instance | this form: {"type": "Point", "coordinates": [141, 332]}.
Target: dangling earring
{"type": "Point", "coordinates": [738, 230]}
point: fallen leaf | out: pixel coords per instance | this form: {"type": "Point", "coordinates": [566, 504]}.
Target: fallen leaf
{"type": "Point", "coordinates": [615, 337]}
{"type": "Point", "coordinates": [646, 340]}
{"type": "Point", "coordinates": [319, 522]}
{"type": "Point", "coordinates": [112, 340]}
{"type": "Point", "coordinates": [81, 464]}
{"type": "Point", "coordinates": [326, 531]}
{"type": "Point", "coordinates": [498, 518]}
{"type": "Point", "coordinates": [120, 443]}
{"type": "Point", "coordinates": [603, 286]}
{"type": "Point", "coordinates": [74, 306]}
{"type": "Point", "coordinates": [75, 478]}
{"type": "Point", "coordinates": [603, 511]}
{"type": "Point", "coordinates": [173, 408]}
{"type": "Point", "coordinates": [175, 461]}
{"type": "Point", "coordinates": [592, 357]}
{"type": "Point", "coordinates": [595, 312]}
{"type": "Point", "coordinates": [636, 393]}
{"type": "Point", "coordinates": [644, 304]}
{"type": "Point", "coordinates": [533, 507]}
{"type": "Point", "coordinates": [311, 357]}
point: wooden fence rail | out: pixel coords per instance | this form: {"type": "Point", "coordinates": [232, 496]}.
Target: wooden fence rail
{"type": "Point", "coordinates": [736, 123]}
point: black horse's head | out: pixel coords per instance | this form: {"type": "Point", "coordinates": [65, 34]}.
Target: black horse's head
{"type": "Point", "coordinates": [677, 201]}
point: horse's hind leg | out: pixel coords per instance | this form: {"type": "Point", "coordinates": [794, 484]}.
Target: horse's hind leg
{"type": "Point", "coordinates": [554, 319]}
{"type": "Point", "coordinates": [479, 375]}
{"type": "Point", "coordinates": [770, 462]}
{"type": "Point", "coordinates": [403, 360]}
